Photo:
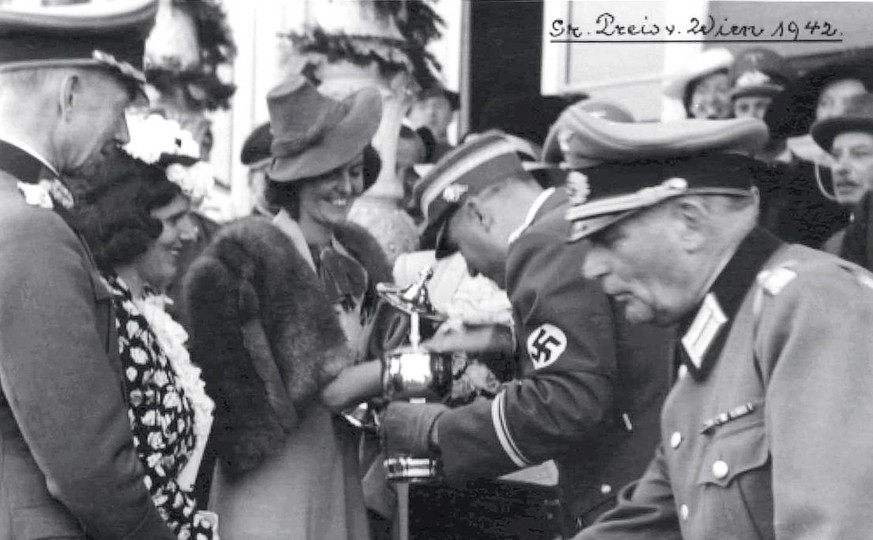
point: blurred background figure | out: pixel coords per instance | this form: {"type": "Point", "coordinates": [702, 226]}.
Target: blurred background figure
{"type": "Point", "coordinates": [435, 108]}
{"type": "Point", "coordinates": [256, 156]}
{"type": "Point", "coordinates": [562, 130]}
{"type": "Point", "coordinates": [700, 89]}
{"type": "Point", "coordinates": [848, 138]}
{"type": "Point", "coordinates": [797, 203]}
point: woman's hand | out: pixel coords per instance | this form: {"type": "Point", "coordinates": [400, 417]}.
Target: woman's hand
{"type": "Point", "coordinates": [353, 384]}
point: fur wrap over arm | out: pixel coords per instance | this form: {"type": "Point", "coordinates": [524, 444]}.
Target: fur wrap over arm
{"type": "Point", "coordinates": [265, 336]}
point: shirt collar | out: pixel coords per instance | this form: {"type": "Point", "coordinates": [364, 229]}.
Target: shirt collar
{"type": "Point", "coordinates": [29, 149]}
{"type": "Point", "coordinates": [531, 214]}
{"type": "Point", "coordinates": [705, 330]}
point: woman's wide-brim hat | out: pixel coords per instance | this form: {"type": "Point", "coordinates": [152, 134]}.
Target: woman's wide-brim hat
{"type": "Point", "coordinates": [314, 134]}
{"type": "Point", "coordinates": [857, 118]}
{"type": "Point", "coordinates": [792, 112]}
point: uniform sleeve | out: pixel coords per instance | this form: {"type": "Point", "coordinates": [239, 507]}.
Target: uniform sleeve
{"type": "Point", "coordinates": [565, 331]}
{"type": "Point", "coordinates": [646, 510]}
{"type": "Point", "coordinates": [60, 384]}
{"type": "Point", "coordinates": [815, 342]}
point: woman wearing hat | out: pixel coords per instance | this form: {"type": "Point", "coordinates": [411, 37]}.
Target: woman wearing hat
{"type": "Point", "coordinates": [281, 311]}
{"type": "Point", "coordinates": [700, 89]}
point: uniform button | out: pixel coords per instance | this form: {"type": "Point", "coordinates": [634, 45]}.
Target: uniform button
{"type": "Point", "coordinates": [675, 440]}
{"type": "Point", "coordinates": [720, 469]}
{"type": "Point", "coordinates": [682, 372]}
{"type": "Point", "coordinates": [683, 512]}
{"type": "Point", "coordinates": [606, 489]}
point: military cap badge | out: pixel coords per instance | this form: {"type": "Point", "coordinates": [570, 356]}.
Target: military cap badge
{"type": "Point", "coordinates": [454, 192]}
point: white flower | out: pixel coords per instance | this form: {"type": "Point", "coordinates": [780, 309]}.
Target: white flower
{"type": "Point", "coordinates": [153, 135]}
{"type": "Point", "coordinates": [36, 195]}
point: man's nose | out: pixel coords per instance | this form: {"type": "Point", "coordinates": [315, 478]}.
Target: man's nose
{"type": "Point", "coordinates": [122, 135]}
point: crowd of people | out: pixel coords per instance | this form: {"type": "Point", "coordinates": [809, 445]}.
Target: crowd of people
{"type": "Point", "coordinates": [665, 321]}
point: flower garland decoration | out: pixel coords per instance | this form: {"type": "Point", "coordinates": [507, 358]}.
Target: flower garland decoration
{"type": "Point", "coordinates": [416, 22]}
{"type": "Point", "coordinates": [202, 82]}
{"type": "Point", "coordinates": [159, 140]}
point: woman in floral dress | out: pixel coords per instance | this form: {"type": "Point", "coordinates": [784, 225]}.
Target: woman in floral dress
{"type": "Point", "coordinates": [135, 221]}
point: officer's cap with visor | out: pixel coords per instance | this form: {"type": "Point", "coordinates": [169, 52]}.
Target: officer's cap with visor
{"type": "Point", "coordinates": [468, 169]}
{"type": "Point", "coordinates": [621, 169]}
{"type": "Point", "coordinates": [106, 35]}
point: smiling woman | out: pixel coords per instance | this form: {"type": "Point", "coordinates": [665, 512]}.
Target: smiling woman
{"type": "Point", "coordinates": [136, 221]}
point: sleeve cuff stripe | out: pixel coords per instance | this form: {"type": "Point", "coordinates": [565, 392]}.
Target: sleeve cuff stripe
{"type": "Point", "coordinates": [498, 417]}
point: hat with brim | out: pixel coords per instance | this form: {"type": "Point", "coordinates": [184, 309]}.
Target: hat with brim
{"type": "Point", "coordinates": [255, 152]}
{"type": "Point", "coordinates": [759, 72]}
{"type": "Point", "coordinates": [467, 169]}
{"type": "Point", "coordinates": [628, 168]}
{"type": "Point", "coordinates": [706, 63]}
{"type": "Point", "coordinates": [792, 111]}
{"type": "Point", "coordinates": [858, 118]}
{"type": "Point", "coordinates": [106, 35]}
{"type": "Point", "coordinates": [314, 134]}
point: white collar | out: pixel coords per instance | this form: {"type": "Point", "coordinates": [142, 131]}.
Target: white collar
{"type": "Point", "coordinates": [292, 230]}
{"type": "Point", "coordinates": [29, 149]}
{"type": "Point", "coordinates": [531, 214]}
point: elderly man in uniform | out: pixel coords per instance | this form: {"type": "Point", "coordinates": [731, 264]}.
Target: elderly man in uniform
{"type": "Point", "coordinates": [766, 432]}
{"type": "Point", "coordinates": [67, 464]}
{"type": "Point", "coordinates": [589, 389]}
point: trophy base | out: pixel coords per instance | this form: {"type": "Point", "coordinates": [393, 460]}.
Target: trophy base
{"type": "Point", "coordinates": [413, 470]}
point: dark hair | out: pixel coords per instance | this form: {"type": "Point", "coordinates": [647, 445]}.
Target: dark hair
{"type": "Point", "coordinates": [286, 195]}
{"type": "Point", "coordinates": [114, 217]}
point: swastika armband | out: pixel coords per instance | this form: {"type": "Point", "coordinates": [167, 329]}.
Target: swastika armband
{"type": "Point", "coordinates": [545, 345]}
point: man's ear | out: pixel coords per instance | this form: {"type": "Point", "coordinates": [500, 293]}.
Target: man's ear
{"type": "Point", "coordinates": [71, 89]}
{"type": "Point", "coordinates": [692, 217]}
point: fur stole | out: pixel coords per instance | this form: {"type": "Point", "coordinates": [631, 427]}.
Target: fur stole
{"type": "Point", "coordinates": [265, 336]}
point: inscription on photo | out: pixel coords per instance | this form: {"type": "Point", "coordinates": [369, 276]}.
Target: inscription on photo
{"type": "Point", "coordinates": [607, 27]}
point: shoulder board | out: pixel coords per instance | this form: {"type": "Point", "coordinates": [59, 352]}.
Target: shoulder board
{"type": "Point", "coordinates": [773, 280]}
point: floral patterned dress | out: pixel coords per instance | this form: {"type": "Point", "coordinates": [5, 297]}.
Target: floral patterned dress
{"type": "Point", "coordinates": [161, 416]}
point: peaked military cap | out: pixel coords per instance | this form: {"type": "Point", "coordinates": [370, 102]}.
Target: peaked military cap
{"type": "Point", "coordinates": [105, 34]}
{"type": "Point", "coordinates": [629, 167]}
{"type": "Point", "coordinates": [759, 72]}
{"type": "Point", "coordinates": [465, 170]}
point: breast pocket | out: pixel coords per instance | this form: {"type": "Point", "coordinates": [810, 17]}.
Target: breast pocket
{"type": "Point", "coordinates": [735, 480]}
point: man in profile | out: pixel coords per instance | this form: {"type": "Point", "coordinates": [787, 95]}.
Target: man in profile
{"type": "Point", "coordinates": [67, 462]}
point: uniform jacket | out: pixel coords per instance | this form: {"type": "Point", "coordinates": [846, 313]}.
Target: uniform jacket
{"type": "Point", "coordinates": [67, 464]}
{"type": "Point", "coordinates": [767, 436]}
{"type": "Point", "coordinates": [589, 389]}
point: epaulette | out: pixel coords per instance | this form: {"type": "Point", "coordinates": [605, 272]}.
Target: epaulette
{"type": "Point", "coordinates": [773, 280]}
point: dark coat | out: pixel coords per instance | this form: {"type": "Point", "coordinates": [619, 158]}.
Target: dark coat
{"type": "Point", "coordinates": [67, 464]}
{"type": "Point", "coordinates": [590, 386]}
